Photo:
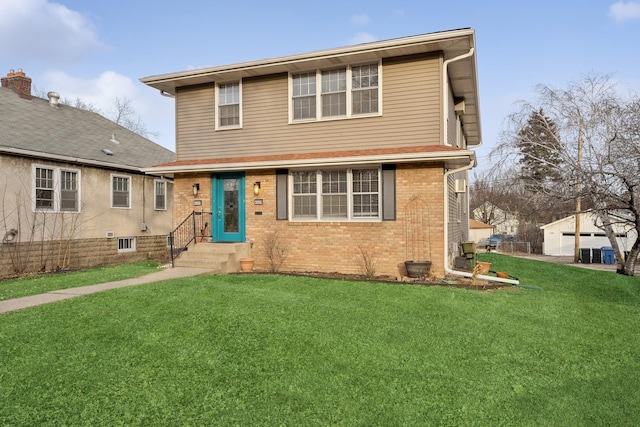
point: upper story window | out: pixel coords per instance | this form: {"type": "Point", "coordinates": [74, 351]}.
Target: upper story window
{"type": "Point", "coordinates": [160, 195]}
{"type": "Point", "coordinates": [56, 189]}
{"type": "Point", "coordinates": [341, 194]}
{"type": "Point", "coordinates": [228, 105]}
{"type": "Point", "coordinates": [364, 92]}
{"type": "Point", "coordinates": [346, 92]}
{"type": "Point", "coordinates": [120, 191]}
{"type": "Point", "coordinates": [334, 93]}
{"type": "Point", "coordinates": [304, 96]}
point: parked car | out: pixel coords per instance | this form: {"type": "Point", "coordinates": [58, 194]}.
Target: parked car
{"type": "Point", "coordinates": [494, 239]}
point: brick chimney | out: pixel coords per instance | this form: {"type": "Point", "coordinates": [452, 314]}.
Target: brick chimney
{"type": "Point", "coordinates": [18, 82]}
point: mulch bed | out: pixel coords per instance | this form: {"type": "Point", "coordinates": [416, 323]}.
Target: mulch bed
{"type": "Point", "coordinates": [450, 281]}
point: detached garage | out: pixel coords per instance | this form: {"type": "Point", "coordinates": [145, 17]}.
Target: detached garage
{"type": "Point", "coordinates": [559, 236]}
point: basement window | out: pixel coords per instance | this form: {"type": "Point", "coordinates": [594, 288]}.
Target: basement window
{"type": "Point", "coordinates": [126, 244]}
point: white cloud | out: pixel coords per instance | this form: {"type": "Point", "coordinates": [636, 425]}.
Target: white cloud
{"type": "Point", "coordinates": [44, 30]}
{"type": "Point", "coordinates": [625, 11]}
{"type": "Point", "coordinates": [360, 20]}
{"type": "Point", "coordinates": [362, 38]}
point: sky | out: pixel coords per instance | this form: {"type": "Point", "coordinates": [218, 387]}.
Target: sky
{"type": "Point", "coordinates": [98, 50]}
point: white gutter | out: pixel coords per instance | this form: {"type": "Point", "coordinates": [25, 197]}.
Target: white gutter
{"type": "Point", "coordinates": [70, 159]}
{"type": "Point", "coordinates": [315, 162]}
{"type": "Point", "coordinates": [445, 109]}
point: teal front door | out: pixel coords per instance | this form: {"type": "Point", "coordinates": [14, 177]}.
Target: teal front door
{"type": "Point", "coordinates": [228, 208]}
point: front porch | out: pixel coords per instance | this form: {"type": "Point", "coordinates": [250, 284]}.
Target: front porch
{"type": "Point", "coordinates": [219, 257]}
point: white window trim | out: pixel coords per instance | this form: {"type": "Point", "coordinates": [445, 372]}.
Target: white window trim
{"type": "Point", "coordinates": [57, 193]}
{"type": "Point", "coordinates": [114, 175]}
{"type": "Point", "coordinates": [131, 249]}
{"type": "Point", "coordinates": [349, 114]}
{"type": "Point", "coordinates": [155, 195]}
{"type": "Point", "coordinates": [217, 114]}
{"type": "Point", "coordinates": [350, 217]}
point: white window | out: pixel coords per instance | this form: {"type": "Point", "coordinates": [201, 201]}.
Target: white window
{"type": "Point", "coordinates": [364, 89]}
{"type": "Point", "coordinates": [341, 194]}
{"type": "Point", "coordinates": [68, 191]}
{"type": "Point", "coordinates": [228, 105]}
{"type": "Point", "coordinates": [56, 189]}
{"type": "Point", "coordinates": [304, 96]}
{"type": "Point", "coordinates": [44, 189]}
{"type": "Point", "coordinates": [304, 194]}
{"type": "Point", "coordinates": [120, 191]}
{"type": "Point", "coordinates": [126, 244]}
{"type": "Point", "coordinates": [346, 92]}
{"type": "Point", "coordinates": [160, 203]}
{"type": "Point", "coordinates": [334, 93]}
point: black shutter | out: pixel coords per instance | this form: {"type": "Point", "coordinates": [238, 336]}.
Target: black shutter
{"type": "Point", "coordinates": [388, 192]}
{"type": "Point", "coordinates": [281, 193]}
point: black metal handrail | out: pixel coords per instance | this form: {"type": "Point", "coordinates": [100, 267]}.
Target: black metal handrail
{"type": "Point", "coordinates": [190, 229]}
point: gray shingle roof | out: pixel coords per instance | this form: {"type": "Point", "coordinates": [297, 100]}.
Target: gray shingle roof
{"type": "Point", "coordinates": [34, 125]}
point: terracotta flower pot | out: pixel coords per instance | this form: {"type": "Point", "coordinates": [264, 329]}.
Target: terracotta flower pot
{"type": "Point", "coordinates": [246, 264]}
{"type": "Point", "coordinates": [483, 267]}
{"type": "Point", "coordinates": [502, 274]}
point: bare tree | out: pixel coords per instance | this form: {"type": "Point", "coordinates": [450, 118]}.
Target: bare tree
{"type": "Point", "coordinates": [121, 112]}
{"type": "Point", "coordinates": [595, 151]}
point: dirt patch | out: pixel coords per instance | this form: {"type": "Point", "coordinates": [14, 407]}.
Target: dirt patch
{"type": "Point", "coordinates": [449, 281]}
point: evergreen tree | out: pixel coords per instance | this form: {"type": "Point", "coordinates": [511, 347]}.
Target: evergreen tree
{"type": "Point", "coordinates": [538, 143]}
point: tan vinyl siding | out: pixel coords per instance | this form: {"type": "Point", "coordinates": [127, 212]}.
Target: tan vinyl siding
{"type": "Point", "coordinates": [195, 117]}
{"type": "Point", "coordinates": [410, 106]}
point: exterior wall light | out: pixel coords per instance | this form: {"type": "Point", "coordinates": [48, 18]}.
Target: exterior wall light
{"type": "Point", "coordinates": [195, 188]}
{"type": "Point", "coordinates": [256, 188]}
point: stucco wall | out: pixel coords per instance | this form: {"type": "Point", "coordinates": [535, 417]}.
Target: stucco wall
{"type": "Point", "coordinates": [96, 216]}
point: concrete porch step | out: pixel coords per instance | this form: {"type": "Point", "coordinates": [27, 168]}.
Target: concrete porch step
{"type": "Point", "coordinates": [220, 257]}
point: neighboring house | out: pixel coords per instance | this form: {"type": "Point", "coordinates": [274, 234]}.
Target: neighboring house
{"type": "Point", "coordinates": [479, 231]}
{"type": "Point", "coordinates": [359, 151]}
{"type": "Point", "coordinates": [503, 221]}
{"type": "Point", "coordinates": [72, 187]}
{"type": "Point", "coordinates": [559, 236]}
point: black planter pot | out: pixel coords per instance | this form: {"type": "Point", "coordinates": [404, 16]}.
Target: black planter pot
{"type": "Point", "coordinates": [418, 269]}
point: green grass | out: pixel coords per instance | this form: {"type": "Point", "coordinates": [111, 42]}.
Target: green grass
{"type": "Point", "coordinates": [277, 350]}
{"type": "Point", "coordinates": [41, 283]}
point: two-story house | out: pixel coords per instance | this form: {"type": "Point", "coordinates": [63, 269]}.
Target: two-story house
{"type": "Point", "coordinates": [72, 190]}
{"type": "Point", "coordinates": [356, 150]}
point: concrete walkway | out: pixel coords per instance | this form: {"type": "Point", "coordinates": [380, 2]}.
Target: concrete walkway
{"type": "Point", "coordinates": [53, 296]}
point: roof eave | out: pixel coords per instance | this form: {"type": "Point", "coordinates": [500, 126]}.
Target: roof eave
{"type": "Point", "coordinates": [459, 158]}
{"type": "Point", "coordinates": [432, 42]}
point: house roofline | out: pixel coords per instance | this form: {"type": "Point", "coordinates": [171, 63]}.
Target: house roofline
{"type": "Point", "coordinates": [68, 159]}
{"type": "Point", "coordinates": [381, 49]}
{"type": "Point", "coordinates": [451, 160]}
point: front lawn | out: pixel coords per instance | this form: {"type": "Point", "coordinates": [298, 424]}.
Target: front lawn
{"type": "Point", "coordinates": [42, 283]}
{"type": "Point", "coordinates": [281, 350]}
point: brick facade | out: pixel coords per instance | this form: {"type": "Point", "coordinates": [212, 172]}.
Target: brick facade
{"type": "Point", "coordinates": [333, 246]}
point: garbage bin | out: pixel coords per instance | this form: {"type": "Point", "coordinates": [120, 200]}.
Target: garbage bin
{"type": "Point", "coordinates": [607, 255]}
{"type": "Point", "coordinates": [469, 247]}
{"type": "Point", "coordinates": [585, 255]}
{"type": "Point", "coordinates": [596, 255]}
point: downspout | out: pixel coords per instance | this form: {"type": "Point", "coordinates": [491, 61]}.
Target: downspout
{"type": "Point", "coordinates": [445, 109]}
